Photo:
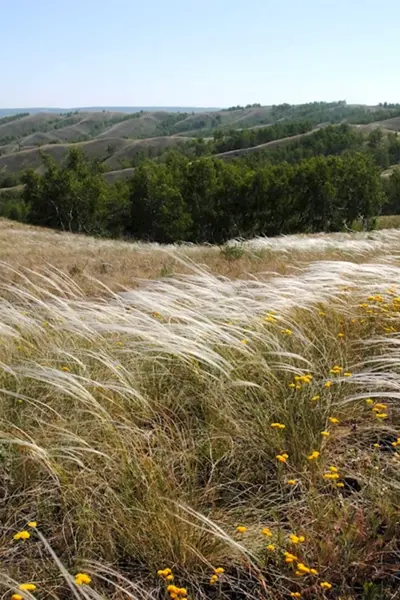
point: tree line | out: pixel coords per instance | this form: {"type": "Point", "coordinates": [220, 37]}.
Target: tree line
{"type": "Point", "coordinates": [207, 199]}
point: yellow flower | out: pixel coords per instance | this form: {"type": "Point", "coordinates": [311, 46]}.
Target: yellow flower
{"type": "Point", "coordinates": [292, 385]}
{"type": "Point", "coordinates": [286, 331]}
{"type": "Point", "coordinates": [164, 572]}
{"type": "Point", "coordinates": [316, 398]}
{"type": "Point", "coordinates": [328, 384]}
{"type": "Point", "coordinates": [213, 580]}
{"type": "Point", "coordinates": [219, 570]}
{"type": "Point", "coordinates": [331, 475]}
{"type": "Point", "coordinates": [340, 335]}
{"type": "Point", "coordinates": [278, 425]}
{"type": "Point", "coordinates": [295, 539]}
{"type": "Point", "coordinates": [271, 547]}
{"type": "Point", "coordinates": [291, 481]}
{"type": "Point", "coordinates": [27, 587]}
{"type": "Point", "coordinates": [16, 597]}
{"type": "Point", "coordinates": [377, 445]}
{"type": "Point", "coordinates": [347, 373]}
{"type": "Point", "coordinates": [381, 415]}
{"type": "Point", "coordinates": [169, 577]}
{"type": "Point", "coordinates": [299, 574]}
{"type": "Point", "coordinates": [314, 455]}
{"type": "Point", "coordinates": [281, 457]}
{"type": "Point", "coordinates": [22, 535]}
{"type": "Point", "coordinates": [182, 591]}
{"type": "Point", "coordinates": [369, 401]}
{"type": "Point", "coordinates": [379, 407]}
{"type": "Point", "coordinates": [336, 370]}
{"type": "Point", "coordinates": [340, 484]}
{"type": "Point", "coordinates": [295, 594]}
{"type": "Point", "coordinates": [289, 558]}
{"type": "Point", "coordinates": [82, 579]}
{"type": "Point", "coordinates": [396, 443]}
{"type": "Point", "coordinates": [313, 571]}
{"type": "Point", "coordinates": [266, 531]}
{"type": "Point", "coordinates": [302, 568]}
{"type": "Point", "coordinates": [270, 318]}
{"type": "Point", "coordinates": [325, 585]}
{"type": "Point", "coordinates": [241, 529]}
{"type": "Point", "coordinates": [66, 369]}
{"type": "Point", "coordinates": [325, 433]}
{"type": "Point", "coordinates": [172, 589]}
{"type": "Point", "coordinates": [32, 524]}
{"type": "Point", "coordinates": [333, 420]}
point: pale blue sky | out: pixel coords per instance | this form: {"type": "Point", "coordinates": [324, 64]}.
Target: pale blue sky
{"type": "Point", "coordinates": [197, 53]}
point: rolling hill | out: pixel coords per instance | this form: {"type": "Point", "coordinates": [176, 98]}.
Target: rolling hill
{"type": "Point", "coordinates": [116, 136]}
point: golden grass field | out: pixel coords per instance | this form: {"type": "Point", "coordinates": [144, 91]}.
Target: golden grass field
{"type": "Point", "coordinates": [196, 422]}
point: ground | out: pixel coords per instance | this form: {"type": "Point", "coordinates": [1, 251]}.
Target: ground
{"type": "Point", "coordinates": [229, 414]}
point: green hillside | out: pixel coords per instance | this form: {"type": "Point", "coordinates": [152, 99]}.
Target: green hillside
{"type": "Point", "coordinates": [117, 138]}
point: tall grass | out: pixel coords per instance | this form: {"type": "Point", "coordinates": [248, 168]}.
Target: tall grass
{"type": "Point", "coordinates": [136, 430]}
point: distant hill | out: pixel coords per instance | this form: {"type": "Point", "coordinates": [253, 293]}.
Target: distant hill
{"type": "Point", "coordinates": [117, 135]}
{"type": "Point", "coordinates": [4, 112]}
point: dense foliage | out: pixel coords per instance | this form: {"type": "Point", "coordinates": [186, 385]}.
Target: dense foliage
{"type": "Point", "coordinates": [322, 181]}
{"type": "Point", "coordinates": [206, 200]}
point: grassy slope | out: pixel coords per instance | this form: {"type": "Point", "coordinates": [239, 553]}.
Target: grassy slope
{"type": "Point", "coordinates": [136, 429]}
{"type": "Point", "coordinates": [95, 132]}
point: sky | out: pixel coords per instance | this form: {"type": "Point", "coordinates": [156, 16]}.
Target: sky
{"type": "Point", "coordinates": [210, 53]}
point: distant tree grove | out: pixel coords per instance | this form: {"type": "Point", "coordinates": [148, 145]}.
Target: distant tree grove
{"type": "Point", "coordinates": [206, 199]}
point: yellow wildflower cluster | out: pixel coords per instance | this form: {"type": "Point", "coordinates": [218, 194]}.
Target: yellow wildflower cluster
{"type": "Point", "coordinates": [302, 569]}
{"type": "Point", "coordinates": [299, 380]}
{"type": "Point", "coordinates": [27, 587]}
{"type": "Point", "coordinates": [278, 425]}
{"type": "Point", "coordinates": [396, 444]}
{"type": "Point", "coordinates": [82, 579]}
{"type": "Point", "coordinates": [286, 331]}
{"type": "Point", "coordinates": [314, 455]}
{"type": "Point", "coordinates": [166, 574]}
{"type": "Point", "coordinates": [338, 370]}
{"type": "Point", "coordinates": [296, 539]}
{"type": "Point", "coordinates": [270, 317]}
{"type": "Point", "coordinates": [267, 532]}
{"type": "Point", "coordinates": [380, 410]}
{"type": "Point", "coordinates": [176, 592]}
{"type": "Point", "coordinates": [22, 535]}
{"type": "Point", "coordinates": [241, 529]}
{"type": "Point", "coordinates": [289, 557]}
{"type": "Point", "coordinates": [282, 457]}
{"type": "Point", "coordinates": [325, 585]}
{"type": "Point", "coordinates": [218, 572]}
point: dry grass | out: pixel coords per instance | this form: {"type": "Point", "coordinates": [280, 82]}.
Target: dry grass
{"type": "Point", "coordinates": [135, 428]}
{"type": "Point", "coordinates": [92, 263]}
